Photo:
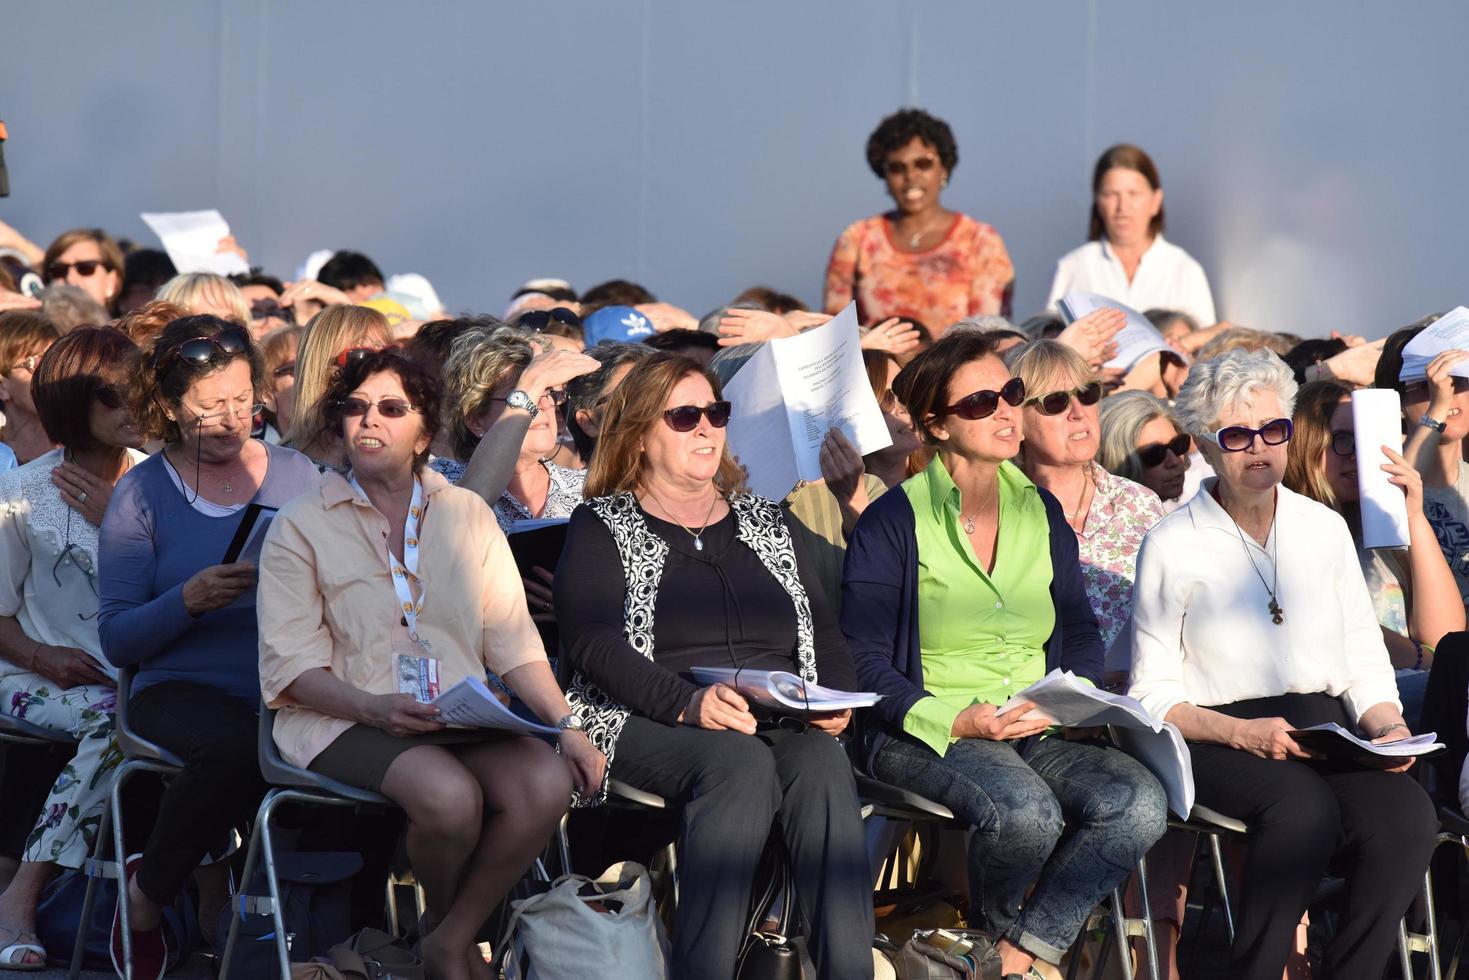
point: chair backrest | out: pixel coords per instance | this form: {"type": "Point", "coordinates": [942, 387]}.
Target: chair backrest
{"type": "Point", "coordinates": [129, 742]}
{"type": "Point", "coordinates": [278, 772]}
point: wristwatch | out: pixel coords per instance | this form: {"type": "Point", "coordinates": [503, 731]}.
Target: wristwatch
{"type": "Point", "coordinates": [1432, 423]}
{"type": "Point", "coordinates": [519, 399]}
{"type": "Point", "coordinates": [571, 723]}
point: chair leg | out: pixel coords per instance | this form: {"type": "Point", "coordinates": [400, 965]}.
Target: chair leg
{"type": "Point", "coordinates": [392, 908]}
{"type": "Point", "coordinates": [1405, 955]}
{"type": "Point", "coordinates": [1149, 939]}
{"type": "Point", "coordinates": [252, 858]}
{"type": "Point", "coordinates": [1124, 944]}
{"type": "Point", "coordinates": [1434, 965]}
{"type": "Point", "coordinates": [1217, 853]}
{"type": "Point", "coordinates": [563, 843]}
{"type": "Point", "coordinates": [119, 854]}
{"type": "Point", "coordinates": [94, 869]}
{"type": "Point", "coordinates": [672, 860]}
{"type": "Point", "coordinates": [282, 946]}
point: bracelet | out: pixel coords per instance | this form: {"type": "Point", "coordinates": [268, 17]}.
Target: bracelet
{"type": "Point", "coordinates": [1383, 731]}
{"type": "Point", "coordinates": [1418, 664]}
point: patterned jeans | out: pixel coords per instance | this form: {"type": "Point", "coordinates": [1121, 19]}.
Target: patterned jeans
{"type": "Point", "coordinates": [1072, 818]}
{"type": "Point", "coordinates": [68, 823]}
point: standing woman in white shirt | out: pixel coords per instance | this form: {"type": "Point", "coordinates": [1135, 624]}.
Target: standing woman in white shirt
{"type": "Point", "coordinates": [1251, 618]}
{"type": "Point", "coordinates": [1126, 257]}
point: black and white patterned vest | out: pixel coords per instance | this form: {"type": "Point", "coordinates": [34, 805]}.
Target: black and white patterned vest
{"type": "Point", "coordinates": [760, 525]}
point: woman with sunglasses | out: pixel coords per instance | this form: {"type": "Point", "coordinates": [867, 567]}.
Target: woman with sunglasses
{"type": "Point", "coordinates": [176, 614]}
{"type": "Point", "coordinates": [52, 672]}
{"type": "Point", "coordinates": [25, 335]}
{"type": "Point", "coordinates": [1109, 514]}
{"type": "Point", "coordinates": [1252, 619]}
{"type": "Point", "coordinates": [671, 565]}
{"type": "Point", "coordinates": [1142, 441]}
{"type": "Point", "coordinates": [481, 804]}
{"type": "Point", "coordinates": [1413, 591]}
{"type": "Point", "coordinates": [89, 259]}
{"type": "Point", "coordinates": [962, 587]}
{"type": "Point", "coordinates": [919, 261]}
{"type": "Point", "coordinates": [329, 340]}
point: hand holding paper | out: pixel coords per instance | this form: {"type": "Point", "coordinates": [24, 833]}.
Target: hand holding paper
{"type": "Point", "coordinates": [1137, 339]}
{"type": "Point", "coordinates": [1376, 415]}
{"type": "Point", "coordinates": [192, 240]}
{"type": "Point", "coordinates": [1448, 332]}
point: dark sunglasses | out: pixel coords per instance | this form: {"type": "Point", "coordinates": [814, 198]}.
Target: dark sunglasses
{"type": "Point", "coordinates": [685, 418]}
{"type": "Point", "coordinates": [1461, 385]}
{"type": "Point", "coordinates": [1056, 402]}
{"type": "Point", "coordinates": [202, 350]}
{"type": "Point", "coordinates": [286, 370]}
{"type": "Point", "coordinates": [1153, 455]}
{"type": "Point", "coordinates": [109, 397]}
{"type": "Point", "coordinates": [538, 320]}
{"type": "Point", "coordinates": [388, 408]}
{"type": "Point", "coordinates": [1344, 443]}
{"type": "Point", "coordinates": [352, 354]}
{"type": "Point", "coordinates": [264, 309]}
{"type": "Point", "coordinates": [86, 267]}
{"type": "Point", "coordinates": [1238, 438]}
{"type": "Point", "coordinates": [897, 168]}
{"type": "Point", "coordinates": [982, 404]}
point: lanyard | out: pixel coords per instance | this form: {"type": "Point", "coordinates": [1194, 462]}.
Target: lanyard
{"type": "Point", "coordinates": [406, 571]}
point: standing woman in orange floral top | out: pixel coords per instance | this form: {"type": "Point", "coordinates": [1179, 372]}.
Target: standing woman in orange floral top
{"type": "Point", "coordinates": [919, 261]}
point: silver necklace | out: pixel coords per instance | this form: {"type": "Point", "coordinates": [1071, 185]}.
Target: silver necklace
{"type": "Point", "coordinates": [698, 536]}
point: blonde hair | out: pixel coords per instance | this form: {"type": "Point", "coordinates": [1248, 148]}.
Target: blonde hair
{"type": "Point", "coordinates": [481, 359]}
{"type": "Point", "coordinates": [326, 335]}
{"type": "Point", "coordinates": [1305, 469]}
{"type": "Point", "coordinates": [187, 289]}
{"type": "Point", "coordinates": [1039, 362]}
{"type": "Point", "coordinates": [1244, 338]}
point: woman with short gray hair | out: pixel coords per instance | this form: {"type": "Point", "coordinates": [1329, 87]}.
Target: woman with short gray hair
{"type": "Point", "coordinates": [1143, 441]}
{"type": "Point", "coordinates": [1251, 620]}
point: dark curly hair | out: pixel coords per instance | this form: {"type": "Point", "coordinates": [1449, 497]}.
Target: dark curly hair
{"type": "Point", "coordinates": [161, 381]}
{"type": "Point", "coordinates": [899, 129]}
{"type": "Point", "coordinates": [419, 382]}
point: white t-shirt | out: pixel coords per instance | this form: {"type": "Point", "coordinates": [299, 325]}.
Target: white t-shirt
{"type": "Point", "coordinates": [1167, 278]}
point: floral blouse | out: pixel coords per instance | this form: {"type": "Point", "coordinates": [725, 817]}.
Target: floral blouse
{"type": "Point", "coordinates": [967, 274]}
{"type": "Point", "coordinates": [1122, 513]}
{"type": "Point", "coordinates": [561, 499]}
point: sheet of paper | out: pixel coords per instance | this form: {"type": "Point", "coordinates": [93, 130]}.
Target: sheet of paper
{"type": "Point", "coordinates": [1377, 422]}
{"type": "Point", "coordinates": [1448, 332]}
{"type": "Point", "coordinates": [759, 433]}
{"type": "Point", "coordinates": [1134, 342]}
{"type": "Point", "coordinates": [1333, 740]}
{"type": "Point", "coordinates": [471, 704]}
{"type": "Point", "coordinates": [1167, 757]}
{"type": "Point", "coordinates": [783, 691]}
{"type": "Point", "coordinates": [1062, 698]}
{"type": "Point", "coordinates": [191, 239]}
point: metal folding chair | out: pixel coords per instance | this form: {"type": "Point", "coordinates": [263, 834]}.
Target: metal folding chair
{"type": "Point", "coordinates": [624, 796]}
{"type": "Point", "coordinates": [139, 755]}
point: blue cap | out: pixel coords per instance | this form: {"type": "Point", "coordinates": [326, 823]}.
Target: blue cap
{"type": "Point", "coordinates": [616, 323]}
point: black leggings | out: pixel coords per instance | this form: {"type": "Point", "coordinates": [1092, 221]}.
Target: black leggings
{"type": "Point", "coordinates": [1378, 828]}
{"type": "Point", "coordinates": [215, 734]}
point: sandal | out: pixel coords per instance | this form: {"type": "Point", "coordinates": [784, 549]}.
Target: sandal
{"type": "Point", "coordinates": [13, 956]}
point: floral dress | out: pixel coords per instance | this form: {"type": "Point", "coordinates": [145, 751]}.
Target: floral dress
{"type": "Point", "coordinates": [1121, 514]}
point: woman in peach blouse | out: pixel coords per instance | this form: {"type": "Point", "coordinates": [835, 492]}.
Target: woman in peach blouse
{"type": "Point", "coordinates": [361, 584]}
{"type": "Point", "coordinates": [919, 261]}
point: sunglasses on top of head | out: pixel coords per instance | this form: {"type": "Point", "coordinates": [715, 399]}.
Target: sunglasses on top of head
{"type": "Point", "coordinates": [1154, 455]}
{"type": "Point", "coordinates": [1238, 438]}
{"type": "Point", "coordinates": [1056, 402]}
{"type": "Point", "coordinates": [86, 267]}
{"type": "Point", "coordinates": [538, 320]}
{"type": "Point", "coordinates": [203, 350]}
{"type": "Point", "coordinates": [352, 354]}
{"type": "Point", "coordinates": [982, 404]}
{"type": "Point", "coordinates": [685, 418]}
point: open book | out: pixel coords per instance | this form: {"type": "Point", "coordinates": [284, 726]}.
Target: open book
{"type": "Point", "coordinates": [784, 692]}
{"type": "Point", "coordinates": [1332, 741]}
{"type": "Point", "coordinates": [471, 704]}
{"type": "Point", "coordinates": [1065, 699]}
{"type": "Point", "coordinates": [1134, 342]}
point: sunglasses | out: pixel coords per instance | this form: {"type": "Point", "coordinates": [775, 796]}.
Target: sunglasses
{"type": "Point", "coordinates": [109, 397]}
{"type": "Point", "coordinates": [685, 418]}
{"type": "Point", "coordinates": [897, 168]}
{"type": "Point", "coordinates": [1344, 444]}
{"type": "Point", "coordinates": [1056, 402]}
{"type": "Point", "coordinates": [982, 404]}
{"type": "Point", "coordinates": [1420, 388]}
{"type": "Point", "coordinates": [538, 320]}
{"type": "Point", "coordinates": [264, 309]}
{"type": "Point", "coordinates": [353, 354]}
{"type": "Point", "coordinates": [388, 408]}
{"type": "Point", "coordinates": [1153, 455]}
{"type": "Point", "coordinates": [1238, 438]}
{"type": "Point", "coordinates": [86, 267]}
{"type": "Point", "coordinates": [286, 370]}
{"type": "Point", "coordinates": [203, 350]}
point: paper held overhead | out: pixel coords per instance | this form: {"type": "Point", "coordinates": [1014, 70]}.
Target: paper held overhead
{"type": "Point", "coordinates": [191, 239]}
{"type": "Point", "coordinates": [1377, 422]}
{"type": "Point", "coordinates": [790, 393]}
{"type": "Point", "coordinates": [1448, 332]}
{"type": "Point", "coordinates": [1134, 342]}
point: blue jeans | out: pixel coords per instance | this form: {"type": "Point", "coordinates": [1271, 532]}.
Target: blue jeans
{"type": "Point", "coordinates": [1072, 818]}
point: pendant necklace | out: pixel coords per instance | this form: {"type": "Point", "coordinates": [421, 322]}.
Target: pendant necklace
{"type": "Point", "coordinates": [1277, 614]}
{"type": "Point", "coordinates": [698, 536]}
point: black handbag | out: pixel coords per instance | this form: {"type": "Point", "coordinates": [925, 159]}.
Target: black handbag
{"type": "Point", "coordinates": [770, 955]}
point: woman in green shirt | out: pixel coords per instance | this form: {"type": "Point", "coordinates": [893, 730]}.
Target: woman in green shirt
{"type": "Point", "coordinates": [963, 586]}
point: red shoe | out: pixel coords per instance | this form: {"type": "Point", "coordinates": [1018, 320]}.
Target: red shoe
{"type": "Point", "coordinates": [150, 949]}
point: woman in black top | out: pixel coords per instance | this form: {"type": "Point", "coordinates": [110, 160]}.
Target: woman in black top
{"type": "Point", "coordinates": [668, 566]}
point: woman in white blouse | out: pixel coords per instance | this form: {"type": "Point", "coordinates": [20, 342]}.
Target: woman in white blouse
{"type": "Point", "coordinates": [1126, 257]}
{"type": "Point", "coordinates": [1251, 619]}
{"type": "Point", "coordinates": [52, 672]}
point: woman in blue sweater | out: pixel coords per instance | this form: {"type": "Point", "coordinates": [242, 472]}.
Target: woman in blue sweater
{"type": "Point", "coordinates": [170, 610]}
{"type": "Point", "coordinates": [962, 586]}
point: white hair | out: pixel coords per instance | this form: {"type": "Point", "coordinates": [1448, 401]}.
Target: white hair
{"type": "Point", "coordinates": [987, 323]}
{"type": "Point", "coordinates": [1217, 385]}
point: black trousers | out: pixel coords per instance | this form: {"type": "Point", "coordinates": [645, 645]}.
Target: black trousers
{"type": "Point", "coordinates": [1376, 828]}
{"type": "Point", "coordinates": [215, 734]}
{"type": "Point", "coordinates": [732, 789]}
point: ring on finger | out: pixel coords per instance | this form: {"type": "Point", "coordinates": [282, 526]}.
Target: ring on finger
{"type": "Point", "coordinates": [82, 497]}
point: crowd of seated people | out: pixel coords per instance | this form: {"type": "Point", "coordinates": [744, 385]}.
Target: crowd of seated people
{"type": "Point", "coordinates": [1187, 531]}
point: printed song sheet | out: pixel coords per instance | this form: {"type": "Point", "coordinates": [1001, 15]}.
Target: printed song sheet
{"type": "Point", "coordinates": [1448, 332]}
{"type": "Point", "coordinates": [1134, 342]}
{"type": "Point", "coordinates": [191, 239]}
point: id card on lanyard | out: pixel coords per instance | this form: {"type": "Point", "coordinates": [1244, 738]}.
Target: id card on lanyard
{"type": "Point", "coordinates": [417, 674]}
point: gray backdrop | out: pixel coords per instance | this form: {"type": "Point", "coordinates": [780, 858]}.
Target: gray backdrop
{"type": "Point", "coordinates": [1312, 152]}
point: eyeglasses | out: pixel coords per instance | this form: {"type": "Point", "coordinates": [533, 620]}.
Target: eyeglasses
{"type": "Point", "coordinates": [353, 354]}
{"type": "Point", "coordinates": [286, 370]}
{"type": "Point", "coordinates": [982, 404]}
{"type": "Point", "coordinates": [538, 320]}
{"type": "Point", "coordinates": [1155, 454]}
{"type": "Point", "coordinates": [1344, 444]}
{"type": "Point", "coordinates": [1238, 438]}
{"type": "Point", "coordinates": [1056, 402]}
{"type": "Point", "coordinates": [243, 412]}
{"type": "Point", "coordinates": [85, 268]}
{"type": "Point", "coordinates": [202, 350]}
{"type": "Point", "coordinates": [389, 407]}
{"type": "Point", "coordinates": [685, 418]}
{"type": "Point", "coordinates": [109, 397]}
{"type": "Point", "coordinates": [898, 168]}
{"type": "Point", "coordinates": [1461, 385]}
